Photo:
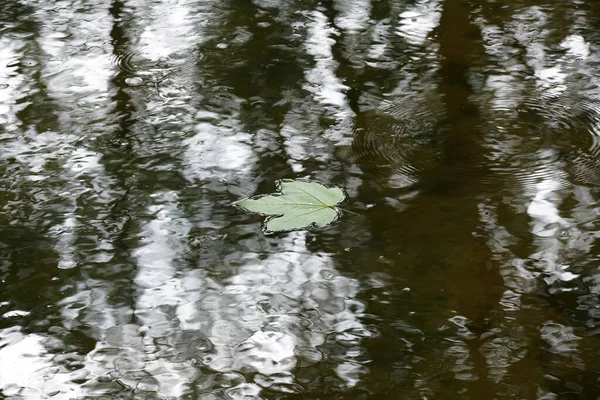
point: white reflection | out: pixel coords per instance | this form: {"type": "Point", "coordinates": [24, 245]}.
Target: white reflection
{"type": "Point", "coordinates": [171, 29]}
{"type": "Point", "coordinates": [270, 310]}
{"type": "Point", "coordinates": [269, 353]}
{"type": "Point", "coordinates": [28, 370]}
{"type": "Point", "coordinates": [502, 349]}
{"type": "Point", "coordinates": [164, 241]}
{"type": "Point", "coordinates": [417, 21]}
{"type": "Point", "coordinates": [576, 47]}
{"type": "Point", "coordinates": [10, 81]}
{"type": "Point", "coordinates": [76, 44]}
{"type": "Point", "coordinates": [380, 43]}
{"type": "Point", "coordinates": [555, 230]}
{"type": "Point", "coordinates": [128, 352]}
{"type": "Point", "coordinates": [217, 152]}
{"type": "Point", "coordinates": [547, 225]}
{"type": "Point", "coordinates": [306, 135]}
{"type": "Point", "coordinates": [323, 83]}
{"type": "Point", "coordinates": [71, 71]}
{"type": "Point", "coordinates": [263, 318]}
{"type": "Point", "coordinates": [543, 209]}
{"type": "Point", "coordinates": [531, 32]}
{"type": "Point", "coordinates": [505, 345]}
{"type": "Point", "coordinates": [353, 15]}
{"type": "Point", "coordinates": [562, 341]}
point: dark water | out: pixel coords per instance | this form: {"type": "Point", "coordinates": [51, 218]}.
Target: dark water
{"type": "Point", "coordinates": [467, 134]}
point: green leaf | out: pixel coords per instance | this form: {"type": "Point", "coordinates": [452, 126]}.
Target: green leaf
{"type": "Point", "coordinates": [299, 205]}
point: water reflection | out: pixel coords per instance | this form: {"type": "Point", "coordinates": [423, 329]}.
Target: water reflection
{"type": "Point", "coordinates": [466, 134]}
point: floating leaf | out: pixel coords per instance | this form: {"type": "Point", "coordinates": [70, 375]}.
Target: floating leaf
{"type": "Point", "coordinates": [299, 205]}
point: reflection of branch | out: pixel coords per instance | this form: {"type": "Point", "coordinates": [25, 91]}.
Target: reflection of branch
{"type": "Point", "coordinates": [158, 91]}
{"type": "Point", "coordinates": [125, 386]}
{"type": "Point", "coordinates": [157, 82]}
{"type": "Point", "coordinates": [584, 223]}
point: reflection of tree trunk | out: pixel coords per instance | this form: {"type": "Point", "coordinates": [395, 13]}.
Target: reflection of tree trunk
{"type": "Point", "coordinates": [475, 283]}
{"type": "Point", "coordinates": [27, 257]}
{"type": "Point", "coordinates": [41, 110]}
{"type": "Point", "coordinates": [118, 156]}
{"type": "Point", "coordinates": [430, 247]}
{"type": "Point", "coordinates": [122, 99]}
{"type": "Point", "coordinates": [460, 45]}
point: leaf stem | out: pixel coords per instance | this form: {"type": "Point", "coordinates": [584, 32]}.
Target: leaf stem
{"type": "Point", "coordinates": [348, 211]}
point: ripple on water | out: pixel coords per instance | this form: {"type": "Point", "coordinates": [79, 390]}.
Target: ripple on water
{"type": "Point", "coordinates": [555, 138]}
{"type": "Point", "coordinates": [399, 141]}
{"type": "Point", "coordinates": [140, 380]}
{"type": "Point", "coordinates": [542, 139]}
{"type": "Point", "coordinates": [123, 60]}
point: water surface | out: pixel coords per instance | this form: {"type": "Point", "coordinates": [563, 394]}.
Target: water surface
{"type": "Point", "coordinates": [466, 133]}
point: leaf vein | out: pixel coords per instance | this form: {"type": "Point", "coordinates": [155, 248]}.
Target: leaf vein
{"type": "Point", "coordinates": [311, 195]}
